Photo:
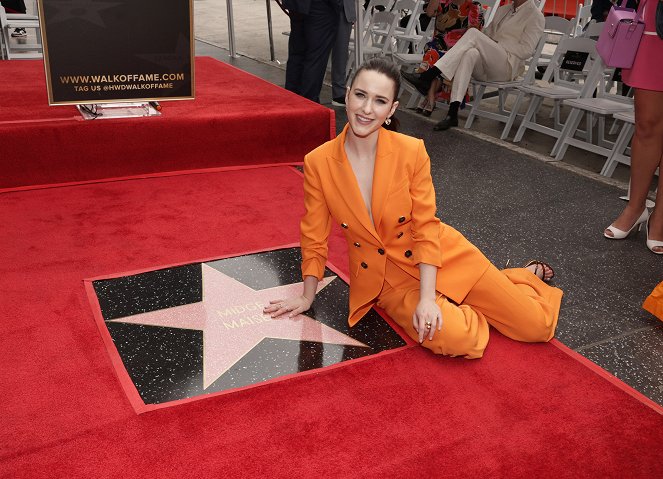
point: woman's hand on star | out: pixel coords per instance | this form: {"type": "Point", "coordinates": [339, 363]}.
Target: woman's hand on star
{"type": "Point", "coordinates": [290, 306]}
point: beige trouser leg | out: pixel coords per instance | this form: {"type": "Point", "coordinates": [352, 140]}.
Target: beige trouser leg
{"type": "Point", "coordinates": [475, 55]}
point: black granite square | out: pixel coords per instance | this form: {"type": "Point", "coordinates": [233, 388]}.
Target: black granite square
{"type": "Point", "coordinates": [197, 329]}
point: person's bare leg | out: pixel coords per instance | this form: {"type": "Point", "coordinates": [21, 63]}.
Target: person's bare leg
{"type": "Point", "coordinates": [432, 93]}
{"type": "Point", "coordinates": [433, 90]}
{"type": "Point", "coordinates": [646, 156]}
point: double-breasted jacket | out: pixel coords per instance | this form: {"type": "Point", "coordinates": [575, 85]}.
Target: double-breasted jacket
{"type": "Point", "coordinates": [404, 232]}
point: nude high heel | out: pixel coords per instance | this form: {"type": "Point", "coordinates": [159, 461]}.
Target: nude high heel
{"type": "Point", "coordinates": [651, 244]}
{"type": "Point", "coordinates": [618, 234]}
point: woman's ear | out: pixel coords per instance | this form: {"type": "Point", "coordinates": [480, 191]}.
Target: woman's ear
{"type": "Point", "coordinates": [347, 94]}
{"type": "Point", "coordinates": [393, 108]}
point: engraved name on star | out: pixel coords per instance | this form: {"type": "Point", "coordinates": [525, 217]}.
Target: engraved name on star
{"type": "Point", "coordinates": [231, 319]}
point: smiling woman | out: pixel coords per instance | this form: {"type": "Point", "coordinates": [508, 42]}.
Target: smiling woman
{"type": "Point", "coordinates": [434, 283]}
{"type": "Point", "coordinates": [371, 99]}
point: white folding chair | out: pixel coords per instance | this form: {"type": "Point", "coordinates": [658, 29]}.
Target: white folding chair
{"type": "Point", "coordinates": [376, 44]}
{"type": "Point", "coordinates": [555, 86]}
{"type": "Point", "coordinates": [601, 105]}
{"type": "Point", "coordinates": [409, 35]}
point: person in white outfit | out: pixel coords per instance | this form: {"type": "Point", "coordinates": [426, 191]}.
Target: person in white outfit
{"type": "Point", "coordinates": [498, 53]}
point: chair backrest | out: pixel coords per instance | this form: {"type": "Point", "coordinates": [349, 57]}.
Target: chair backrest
{"type": "Point", "coordinates": [385, 4]}
{"type": "Point", "coordinates": [583, 16]}
{"type": "Point", "coordinates": [529, 76]}
{"type": "Point", "coordinates": [592, 30]}
{"type": "Point", "coordinates": [490, 9]}
{"type": "Point", "coordinates": [385, 23]}
{"type": "Point", "coordinates": [558, 73]}
{"type": "Point", "coordinates": [555, 30]}
{"type": "Point", "coordinates": [559, 26]}
{"type": "Point", "coordinates": [412, 8]}
{"type": "Point", "coordinates": [375, 6]}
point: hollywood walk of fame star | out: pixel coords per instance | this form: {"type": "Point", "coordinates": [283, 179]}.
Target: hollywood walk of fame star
{"type": "Point", "coordinates": [231, 319]}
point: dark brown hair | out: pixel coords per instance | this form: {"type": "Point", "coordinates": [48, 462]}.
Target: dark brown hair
{"type": "Point", "coordinates": [391, 71]}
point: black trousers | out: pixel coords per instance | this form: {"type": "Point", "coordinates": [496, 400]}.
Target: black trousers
{"type": "Point", "coordinates": [311, 40]}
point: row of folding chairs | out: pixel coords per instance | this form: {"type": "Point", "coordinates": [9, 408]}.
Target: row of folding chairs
{"type": "Point", "coordinates": [383, 35]}
{"type": "Point", "coordinates": [12, 49]}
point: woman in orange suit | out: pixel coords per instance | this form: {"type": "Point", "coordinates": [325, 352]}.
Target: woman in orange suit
{"type": "Point", "coordinates": [376, 184]}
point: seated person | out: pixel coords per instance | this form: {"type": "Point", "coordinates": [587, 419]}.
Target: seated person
{"type": "Point", "coordinates": [496, 54]}
{"type": "Point", "coordinates": [15, 6]}
{"type": "Point", "coordinates": [452, 19]}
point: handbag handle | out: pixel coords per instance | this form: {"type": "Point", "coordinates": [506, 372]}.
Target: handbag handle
{"type": "Point", "coordinates": [638, 17]}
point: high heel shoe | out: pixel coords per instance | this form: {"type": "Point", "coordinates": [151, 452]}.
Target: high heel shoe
{"type": "Point", "coordinates": [429, 109]}
{"type": "Point", "coordinates": [618, 234]}
{"type": "Point", "coordinates": [422, 105]}
{"type": "Point", "coordinates": [651, 244]}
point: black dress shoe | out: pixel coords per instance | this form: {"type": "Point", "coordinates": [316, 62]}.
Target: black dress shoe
{"type": "Point", "coordinates": [417, 81]}
{"type": "Point", "coordinates": [447, 123]}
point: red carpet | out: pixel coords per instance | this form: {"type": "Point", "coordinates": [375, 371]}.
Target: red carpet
{"type": "Point", "coordinates": [521, 411]}
{"type": "Point", "coordinates": [236, 119]}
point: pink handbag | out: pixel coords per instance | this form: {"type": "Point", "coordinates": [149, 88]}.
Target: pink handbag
{"type": "Point", "coordinates": [620, 37]}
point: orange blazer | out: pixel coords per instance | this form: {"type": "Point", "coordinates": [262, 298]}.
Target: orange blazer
{"type": "Point", "coordinates": [404, 231]}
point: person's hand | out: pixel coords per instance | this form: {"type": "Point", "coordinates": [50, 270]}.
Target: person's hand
{"type": "Point", "coordinates": [427, 318]}
{"type": "Point", "coordinates": [290, 306]}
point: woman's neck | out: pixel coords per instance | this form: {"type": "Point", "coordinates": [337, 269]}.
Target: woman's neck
{"type": "Point", "coordinates": [361, 148]}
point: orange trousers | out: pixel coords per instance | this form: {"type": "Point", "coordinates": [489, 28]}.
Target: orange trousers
{"type": "Point", "coordinates": [654, 302]}
{"type": "Point", "coordinates": [514, 301]}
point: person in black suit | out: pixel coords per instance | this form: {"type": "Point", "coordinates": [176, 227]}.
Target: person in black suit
{"type": "Point", "coordinates": [313, 25]}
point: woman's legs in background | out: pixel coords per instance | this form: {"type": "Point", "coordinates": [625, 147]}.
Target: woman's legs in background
{"type": "Point", "coordinates": [646, 156]}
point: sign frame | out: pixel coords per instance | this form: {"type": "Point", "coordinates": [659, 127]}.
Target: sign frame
{"type": "Point", "coordinates": [49, 85]}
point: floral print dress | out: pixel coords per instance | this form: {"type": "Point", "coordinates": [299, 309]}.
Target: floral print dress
{"type": "Point", "coordinates": [451, 22]}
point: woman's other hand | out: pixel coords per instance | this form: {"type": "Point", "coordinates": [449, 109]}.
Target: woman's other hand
{"type": "Point", "coordinates": [427, 319]}
{"type": "Point", "coordinates": [290, 306]}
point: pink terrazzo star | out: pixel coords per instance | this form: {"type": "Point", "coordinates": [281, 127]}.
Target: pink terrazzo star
{"type": "Point", "coordinates": [231, 319]}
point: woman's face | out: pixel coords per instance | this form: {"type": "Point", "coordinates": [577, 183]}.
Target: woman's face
{"type": "Point", "coordinates": [369, 102]}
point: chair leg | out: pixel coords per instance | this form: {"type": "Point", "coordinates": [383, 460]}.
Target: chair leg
{"type": "Point", "coordinates": [512, 116]}
{"type": "Point", "coordinates": [557, 120]}
{"type": "Point", "coordinates": [534, 104]}
{"type": "Point", "coordinates": [570, 127]}
{"type": "Point", "coordinates": [618, 149]}
{"type": "Point", "coordinates": [415, 97]}
{"type": "Point", "coordinates": [501, 101]}
{"type": "Point", "coordinates": [477, 96]}
{"type": "Point", "coordinates": [614, 127]}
